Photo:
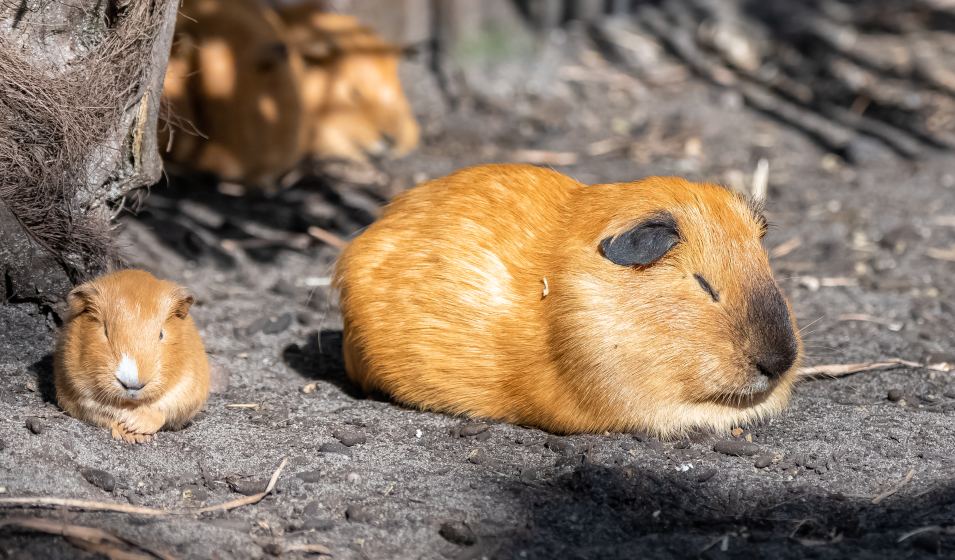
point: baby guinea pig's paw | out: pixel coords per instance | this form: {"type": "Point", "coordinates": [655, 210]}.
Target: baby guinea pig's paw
{"type": "Point", "coordinates": [139, 425]}
{"type": "Point", "coordinates": [119, 431]}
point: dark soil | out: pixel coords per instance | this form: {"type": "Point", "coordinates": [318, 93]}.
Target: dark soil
{"type": "Point", "coordinates": [370, 479]}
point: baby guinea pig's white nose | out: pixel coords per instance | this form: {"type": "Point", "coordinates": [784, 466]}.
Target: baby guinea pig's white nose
{"type": "Point", "coordinates": [128, 374]}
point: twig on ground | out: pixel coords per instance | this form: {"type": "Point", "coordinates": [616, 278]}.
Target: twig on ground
{"type": "Point", "coordinates": [543, 157]}
{"type": "Point", "coordinates": [327, 237]}
{"type": "Point", "coordinates": [839, 370]}
{"type": "Point", "coordinates": [917, 531]}
{"type": "Point", "coordinates": [886, 494]}
{"type": "Point", "coordinates": [313, 548]}
{"type": "Point", "coordinates": [123, 508]}
{"type": "Point", "coordinates": [785, 248]}
{"type": "Point", "coordinates": [870, 319]}
{"type": "Point", "coordinates": [87, 538]}
{"type": "Point", "coordinates": [941, 254]}
{"type": "Point", "coordinates": [249, 499]}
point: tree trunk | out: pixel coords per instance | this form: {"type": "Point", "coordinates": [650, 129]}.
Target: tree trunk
{"type": "Point", "coordinates": [80, 84]}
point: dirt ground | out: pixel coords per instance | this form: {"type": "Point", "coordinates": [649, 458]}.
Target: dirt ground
{"type": "Point", "coordinates": [846, 471]}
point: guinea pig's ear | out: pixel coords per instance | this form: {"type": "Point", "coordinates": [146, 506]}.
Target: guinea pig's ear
{"type": "Point", "coordinates": [82, 299]}
{"type": "Point", "coordinates": [644, 243]}
{"type": "Point", "coordinates": [182, 301]}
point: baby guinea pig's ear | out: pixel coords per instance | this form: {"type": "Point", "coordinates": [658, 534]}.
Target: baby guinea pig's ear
{"type": "Point", "coordinates": [182, 300]}
{"type": "Point", "coordinates": [83, 298]}
{"type": "Point", "coordinates": [644, 243]}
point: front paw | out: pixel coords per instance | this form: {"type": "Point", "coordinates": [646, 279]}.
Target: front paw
{"type": "Point", "coordinates": [139, 425]}
{"type": "Point", "coordinates": [120, 431]}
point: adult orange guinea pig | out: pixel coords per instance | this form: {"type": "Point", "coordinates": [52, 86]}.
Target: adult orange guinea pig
{"type": "Point", "coordinates": [516, 293]}
{"type": "Point", "coordinates": [129, 357]}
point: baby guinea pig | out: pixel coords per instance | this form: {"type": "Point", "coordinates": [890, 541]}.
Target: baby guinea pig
{"type": "Point", "coordinates": [129, 357]}
{"type": "Point", "coordinates": [516, 293]}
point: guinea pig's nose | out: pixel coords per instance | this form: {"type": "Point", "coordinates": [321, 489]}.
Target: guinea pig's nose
{"type": "Point", "coordinates": [132, 386]}
{"type": "Point", "coordinates": [776, 364]}
{"type": "Point", "coordinates": [128, 374]}
{"type": "Point", "coordinates": [777, 348]}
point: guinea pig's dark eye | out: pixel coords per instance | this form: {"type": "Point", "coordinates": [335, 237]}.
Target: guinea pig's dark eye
{"type": "Point", "coordinates": [707, 288]}
{"type": "Point", "coordinates": [105, 332]}
{"type": "Point", "coordinates": [160, 334]}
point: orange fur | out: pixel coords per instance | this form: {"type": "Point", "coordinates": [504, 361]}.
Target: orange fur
{"type": "Point", "coordinates": [444, 308]}
{"type": "Point", "coordinates": [353, 102]}
{"type": "Point", "coordinates": [233, 79]}
{"type": "Point", "coordinates": [121, 316]}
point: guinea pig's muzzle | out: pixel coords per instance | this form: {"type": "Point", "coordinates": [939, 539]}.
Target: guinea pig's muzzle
{"type": "Point", "coordinates": [774, 347]}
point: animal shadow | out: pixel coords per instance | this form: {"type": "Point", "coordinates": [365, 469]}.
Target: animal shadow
{"type": "Point", "coordinates": [45, 384]}
{"type": "Point", "coordinates": [321, 358]}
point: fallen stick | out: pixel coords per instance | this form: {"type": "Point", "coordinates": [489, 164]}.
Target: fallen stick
{"type": "Point", "coordinates": [543, 157]}
{"type": "Point", "coordinates": [89, 535]}
{"type": "Point", "coordinates": [919, 530]}
{"type": "Point", "coordinates": [327, 237]}
{"type": "Point", "coordinates": [248, 499]}
{"type": "Point", "coordinates": [871, 319]}
{"type": "Point", "coordinates": [839, 370]}
{"type": "Point", "coordinates": [123, 508]}
{"type": "Point", "coordinates": [941, 254]}
{"type": "Point", "coordinates": [313, 548]}
{"type": "Point", "coordinates": [886, 494]}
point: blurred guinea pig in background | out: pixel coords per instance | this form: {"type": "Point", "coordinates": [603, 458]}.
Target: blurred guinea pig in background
{"type": "Point", "coordinates": [514, 292]}
{"type": "Point", "coordinates": [354, 105]}
{"type": "Point", "coordinates": [231, 93]}
{"type": "Point", "coordinates": [129, 357]}
{"type": "Point", "coordinates": [250, 92]}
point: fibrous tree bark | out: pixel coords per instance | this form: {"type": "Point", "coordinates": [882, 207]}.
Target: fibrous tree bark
{"type": "Point", "coordinates": [80, 84]}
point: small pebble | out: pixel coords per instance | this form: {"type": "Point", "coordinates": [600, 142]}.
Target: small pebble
{"type": "Point", "coordinates": [478, 457]}
{"type": "Point", "coordinates": [458, 533]}
{"type": "Point", "coordinates": [310, 476]}
{"type": "Point", "coordinates": [194, 492]}
{"type": "Point", "coordinates": [272, 549]}
{"type": "Point", "coordinates": [560, 446]}
{"type": "Point", "coordinates": [98, 478]}
{"type": "Point", "coordinates": [305, 318]}
{"type": "Point", "coordinates": [3, 445]}
{"type": "Point", "coordinates": [283, 288]}
{"type": "Point", "coordinates": [357, 514]}
{"type": "Point", "coordinates": [35, 425]}
{"type": "Point", "coordinates": [706, 475]}
{"type": "Point", "coordinates": [350, 437]}
{"type": "Point", "coordinates": [738, 448]}
{"type": "Point", "coordinates": [257, 326]}
{"type": "Point", "coordinates": [277, 324]}
{"type": "Point", "coordinates": [640, 436]}
{"type": "Point", "coordinates": [248, 486]}
{"type": "Point", "coordinates": [473, 429]}
{"type": "Point", "coordinates": [763, 461]}
{"type": "Point", "coordinates": [334, 447]}
{"type": "Point", "coordinates": [134, 500]}
{"type": "Point", "coordinates": [895, 395]}
{"type": "Point", "coordinates": [353, 478]}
